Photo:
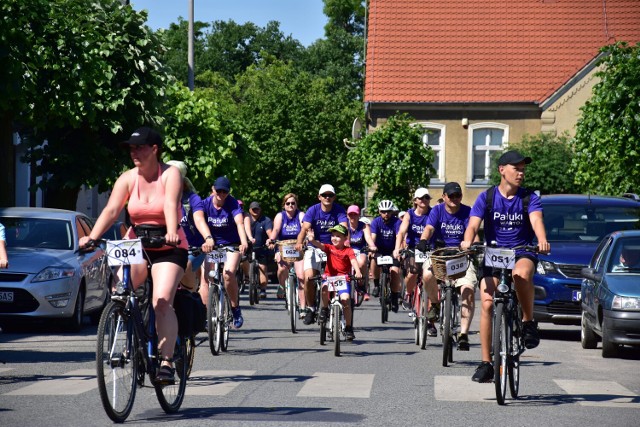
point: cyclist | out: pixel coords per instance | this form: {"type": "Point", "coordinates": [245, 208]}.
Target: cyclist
{"type": "Point", "coordinates": [319, 219]}
{"type": "Point", "coordinates": [286, 226]}
{"type": "Point", "coordinates": [384, 230]}
{"type": "Point", "coordinates": [447, 222]}
{"type": "Point", "coordinates": [340, 261]}
{"type": "Point", "coordinates": [226, 227]}
{"type": "Point", "coordinates": [152, 189]}
{"type": "Point", "coordinates": [261, 226]}
{"type": "Point", "coordinates": [4, 259]}
{"type": "Point", "coordinates": [360, 233]}
{"type": "Point", "coordinates": [507, 224]}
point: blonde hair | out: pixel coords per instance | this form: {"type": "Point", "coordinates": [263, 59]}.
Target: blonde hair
{"type": "Point", "coordinates": [287, 197]}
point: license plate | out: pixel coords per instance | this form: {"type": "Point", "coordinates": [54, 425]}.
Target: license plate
{"type": "Point", "coordinates": [576, 296]}
{"type": "Point", "coordinates": [124, 252]}
{"type": "Point", "coordinates": [6, 296]}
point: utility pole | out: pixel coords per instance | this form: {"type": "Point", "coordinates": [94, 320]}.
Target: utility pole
{"type": "Point", "coordinates": [191, 61]}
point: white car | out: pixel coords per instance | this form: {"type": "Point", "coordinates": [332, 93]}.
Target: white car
{"type": "Point", "coordinates": [48, 277]}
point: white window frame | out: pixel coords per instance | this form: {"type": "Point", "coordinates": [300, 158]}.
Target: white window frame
{"type": "Point", "coordinates": [489, 149]}
{"type": "Point", "coordinates": [439, 178]}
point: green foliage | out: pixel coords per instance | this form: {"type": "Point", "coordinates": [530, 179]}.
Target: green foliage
{"type": "Point", "coordinates": [175, 38]}
{"type": "Point", "coordinates": [394, 160]}
{"type": "Point", "coordinates": [548, 171]}
{"type": "Point", "coordinates": [607, 141]}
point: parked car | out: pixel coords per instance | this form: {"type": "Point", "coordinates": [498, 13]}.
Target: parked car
{"type": "Point", "coordinates": [611, 294]}
{"type": "Point", "coordinates": [575, 225]}
{"type": "Point", "coordinates": [116, 232]}
{"type": "Point", "coordinates": [48, 277]}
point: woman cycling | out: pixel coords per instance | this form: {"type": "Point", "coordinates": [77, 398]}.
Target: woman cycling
{"type": "Point", "coordinates": [152, 189]}
{"type": "Point", "coordinates": [360, 233]}
{"type": "Point", "coordinates": [286, 226]}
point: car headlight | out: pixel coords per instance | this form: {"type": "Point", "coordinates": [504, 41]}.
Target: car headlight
{"type": "Point", "coordinates": [545, 267]}
{"type": "Point", "coordinates": [53, 273]}
{"type": "Point", "coordinates": [625, 303]}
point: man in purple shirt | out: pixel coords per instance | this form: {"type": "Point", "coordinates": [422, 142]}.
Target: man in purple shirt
{"type": "Point", "coordinates": [509, 226]}
{"type": "Point", "coordinates": [319, 219]}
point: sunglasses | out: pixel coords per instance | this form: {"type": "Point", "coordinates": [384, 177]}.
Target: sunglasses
{"type": "Point", "coordinates": [327, 195]}
{"type": "Point", "coordinates": [290, 204]}
{"type": "Point", "coordinates": [385, 212]}
{"type": "Point", "coordinates": [455, 196]}
{"type": "Point", "coordinates": [222, 192]}
{"type": "Point", "coordinates": [425, 198]}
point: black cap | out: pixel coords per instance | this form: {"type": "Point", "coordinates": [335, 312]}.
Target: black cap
{"type": "Point", "coordinates": [222, 183]}
{"type": "Point", "coordinates": [452, 188]}
{"type": "Point", "coordinates": [144, 136]}
{"type": "Point", "coordinates": [254, 205]}
{"type": "Point", "coordinates": [513, 157]}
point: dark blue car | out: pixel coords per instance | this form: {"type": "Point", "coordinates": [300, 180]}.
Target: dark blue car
{"type": "Point", "coordinates": [575, 225]}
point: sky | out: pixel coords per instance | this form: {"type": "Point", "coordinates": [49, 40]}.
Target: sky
{"type": "Point", "coordinates": [302, 19]}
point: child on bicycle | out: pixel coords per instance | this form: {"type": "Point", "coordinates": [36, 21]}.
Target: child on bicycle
{"type": "Point", "coordinates": [340, 261]}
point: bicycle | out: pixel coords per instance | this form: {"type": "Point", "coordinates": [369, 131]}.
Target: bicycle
{"type": "Point", "coordinates": [288, 253]}
{"type": "Point", "coordinates": [254, 277]}
{"type": "Point", "coordinates": [127, 342]}
{"type": "Point", "coordinates": [418, 312]}
{"type": "Point", "coordinates": [385, 262]}
{"type": "Point", "coordinates": [219, 316]}
{"type": "Point", "coordinates": [507, 337]}
{"type": "Point", "coordinates": [337, 321]}
{"type": "Point", "coordinates": [449, 264]}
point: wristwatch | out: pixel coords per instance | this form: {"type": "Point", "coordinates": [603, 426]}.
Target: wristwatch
{"type": "Point", "coordinates": [208, 237]}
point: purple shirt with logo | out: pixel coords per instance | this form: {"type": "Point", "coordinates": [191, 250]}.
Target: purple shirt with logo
{"type": "Point", "coordinates": [322, 221]}
{"type": "Point", "coordinates": [290, 226]}
{"type": "Point", "coordinates": [357, 236]}
{"type": "Point", "coordinates": [449, 227]}
{"type": "Point", "coordinates": [416, 226]}
{"type": "Point", "coordinates": [385, 233]}
{"type": "Point", "coordinates": [221, 221]}
{"type": "Point", "coordinates": [508, 225]}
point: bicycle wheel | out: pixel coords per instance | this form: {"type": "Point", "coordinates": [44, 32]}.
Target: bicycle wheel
{"type": "Point", "coordinates": [225, 321]}
{"type": "Point", "coordinates": [384, 297]}
{"type": "Point", "coordinates": [514, 362]}
{"type": "Point", "coordinates": [500, 351]}
{"type": "Point", "coordinates": [213, 316]}
{"type": "Point", "coordinates": [422, 320]}
{"type": "Point", "coordinates": [292, 302]}
{"type": "Point", "coordinates": [253, 286]}
{"type": "Point", "coordinates": [416, 311]}
{"type": "Point", "coordinates": [116, 361]}
{"type": "Point", "coordinates": [447, 338]}
{"type": "Point", "coordinates": [170, 397]}
{"type": "Point", "coordinates": [191, 353]}
{"type": "Point", "coordinates": [336, 326]}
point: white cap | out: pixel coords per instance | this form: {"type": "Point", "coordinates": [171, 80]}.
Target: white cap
{"type": "Point", "coordinates": [365, 220]}
{"type": "Point", "coordinates": [421, 192]}
{"type": "Point", "coordinates": [401, 214]}
{"type": "Point", "coordinates": [327, 188]}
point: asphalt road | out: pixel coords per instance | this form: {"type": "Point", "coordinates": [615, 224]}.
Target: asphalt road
{"type": "Point", "coordinates": [271, 377]}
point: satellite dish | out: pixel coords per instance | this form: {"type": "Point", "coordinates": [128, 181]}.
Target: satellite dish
{"type": "Point", "coordinates": [356, 129]}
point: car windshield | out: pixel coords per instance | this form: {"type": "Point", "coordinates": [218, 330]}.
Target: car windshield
{"type": "Point", "coordinates": [626, 256]}
{"type": "Point", "coordinates": [38, 233]}
{"type": "Point", "coordinates": [587, 223]}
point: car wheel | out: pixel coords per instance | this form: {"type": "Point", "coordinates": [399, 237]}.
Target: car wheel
{"type": "Point", "coordinates": [75, 323]}
{"type": "Point", "coordinates": [609, 348]}
{"type": "Point", "coordinates": [588, 338]}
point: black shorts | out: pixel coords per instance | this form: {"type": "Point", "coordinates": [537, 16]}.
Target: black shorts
{"type": "Point", "coordinates": [495, 272]}
{"type": "Point", "coordinates": [177, 256]}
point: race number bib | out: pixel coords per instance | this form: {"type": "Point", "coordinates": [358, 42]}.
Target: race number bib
{"type": "Point", "coordinates": [336, 283]}
{"type": "Point", "coordinates": [500, 258]}
{"type": "Point", "coordinates": [322, 256]}
{"type": "Point", "coordinates": [457, 265]}
{"type": "Point", "coordinates": [384, 260]}
{"type": "Point", "coordinates": [420, 257]}
{"type": "Point", "coordinates": [124, 252]}
{"type": "Point", "coordinates": [217, 256]}
{"type": "Point", "coordinates": [290, 251]}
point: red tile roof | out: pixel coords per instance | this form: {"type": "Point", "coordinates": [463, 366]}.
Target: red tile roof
{"type": "Point", "coordinates": [459, 51]}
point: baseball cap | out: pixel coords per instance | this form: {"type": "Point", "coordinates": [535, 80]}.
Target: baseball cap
{"type": "Point", "coordinates": [254, 205]}
{"type": "Point", "coordinates": [353, 209]}
{"type": "Point", "coordinates": [513, 157]}
{"type": "Point", "coordinates": [144, 136]}
{"type": "Point", "coordinates": [421, 192]}
{"type": "Point", "coordinates": [452, 188]}
{"type": "Point", "coordinates": [222, 183]}
{"type": "Point", "coordinates": [339, 228]}
{"type": "Point", "coordinates": [327, 188]}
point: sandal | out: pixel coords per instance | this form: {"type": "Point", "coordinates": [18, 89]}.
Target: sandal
{"type": "Point", "coordinates": [166, 375]}
{"type": "Point", "coordinates": [280, 294]}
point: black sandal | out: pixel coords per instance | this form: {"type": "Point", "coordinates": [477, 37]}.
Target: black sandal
{"type": "Point", "coordinates": [166, 375]}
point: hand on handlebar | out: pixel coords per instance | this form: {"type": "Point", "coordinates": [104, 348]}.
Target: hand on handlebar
{"type": "Point", "coordinates": [172, 239]}
{"type": "Point", "coordinates": [544, 247]}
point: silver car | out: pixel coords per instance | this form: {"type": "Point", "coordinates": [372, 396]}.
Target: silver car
{"type": "Point", "coordinates": [48, 277]}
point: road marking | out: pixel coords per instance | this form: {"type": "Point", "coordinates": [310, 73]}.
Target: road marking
{"type": "Point", "coordinates": [324, 384]}
{"type": "Point", "coordinates": [462, 389]}
{"type": "Point", "coordinates": [3, 370]}
{"type": "Point", "coordinates": [71, 383]}
{"type": "Point", "coordinates": [215, 383]}
{"type": "Point", "coordinates": [600, 393]}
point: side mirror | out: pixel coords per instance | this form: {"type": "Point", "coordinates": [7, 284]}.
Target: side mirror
{"type": "Point", "coordinates": [591, 274]}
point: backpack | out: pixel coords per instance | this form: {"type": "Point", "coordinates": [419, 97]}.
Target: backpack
{"type": "Point", "coordinates": [488, 216]}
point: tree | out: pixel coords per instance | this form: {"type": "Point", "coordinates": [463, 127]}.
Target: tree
{"type": "Point", "coordinates": [551, 156]}
{"type": "Point", "coordinates": [607, 141]}
{"type": "Point", "coordinates": [175, 38]}
{"type": "Point", "coordinates": [393, 159]}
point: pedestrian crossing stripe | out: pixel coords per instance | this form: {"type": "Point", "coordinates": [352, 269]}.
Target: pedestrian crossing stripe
{"type": "Point", "coordinates": [215, 383]}
{"type": "Point", "coordinates": [600, 393]}
{"type": "Point", "coordinates": [70, 383]}
{"type": "Point", "coordinates": [325, 384]}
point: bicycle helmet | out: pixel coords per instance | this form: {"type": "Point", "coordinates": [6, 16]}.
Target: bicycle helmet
{"type": "Point", "coordinates": [385, 205]}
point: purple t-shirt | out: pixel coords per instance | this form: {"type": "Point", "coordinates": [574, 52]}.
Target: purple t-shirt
{"type": "Point", "coordinates": [290, 227]}
{"type": "Point", "coordinates": [416, 227]}
{"type": "Point", "coordinates": [385, 234]}
{"type": "Point", "coordinates": [508, 226]}
{"type": "Point", "coordinates": [449, 227]}
{"type": "Point", "coordinates": [322, 221]}
{"type": "Point", "coordinates": [357, 236]}
{"type": "Point", "coordinates": [193, 203]}
{"type": "Point", "coordinates": [221, 221]}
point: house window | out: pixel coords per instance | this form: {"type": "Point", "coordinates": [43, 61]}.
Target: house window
{"type": "Point", "coordinates": [433, 137]}
{"type": "Point", "coordinates": [484, 140]}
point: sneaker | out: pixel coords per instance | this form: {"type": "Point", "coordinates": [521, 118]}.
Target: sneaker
{"type": "Point", "coordinates": [434, 312]}
{"type": "Point", "coordinates": [238, 320]}
{"type": "Point", "coordinates": [263, 294]}
{"type": "Point", "coordinates": [530, 334]}
{"type": "Point", "coordinates": [308, 317]}
{"type": "Point", "coordinates": [406, 302]}
{"type": "Point", "coordinates": [303, 312]}
{"type": "Point", "coordinates": [376, 291]}
{"type": "Point", "coordinates": [324, 314]}
{"type": "Point", "coordinates": [394, 302]}
{"type": "Point", "coordinates": [463, 342]}
{"type": "Point", "coordinates": [280, 293]}
{"type": "Point", "coordinates": [348, 333]}
{"type": "Point", "coordinates": [431, 330]}
{"type": "Point", "coordinates": [484, 373]}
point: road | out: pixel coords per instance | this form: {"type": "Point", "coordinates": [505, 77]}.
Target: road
{"type": "Point", "coordinates": [271, 377]}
